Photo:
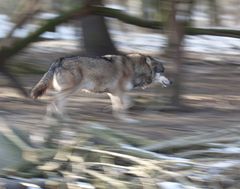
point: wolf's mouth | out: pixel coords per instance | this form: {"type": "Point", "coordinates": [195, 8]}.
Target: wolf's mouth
{"type": "Point", "coordinates": [163, 80]}
{"type": "Point", "coordinates": [164, 84]}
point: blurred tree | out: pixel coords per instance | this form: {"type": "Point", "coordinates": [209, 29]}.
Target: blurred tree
{"type": "Point", "coordinates": [179, 16]}
{"type": "Point", "coordinates": [26, 11]}
{"type": "Point", "coordinates": [214, 13]}
{"type": "Point", "coordinates": [96, 38]}
{"type": "Point", "coordinates": [150, 9]}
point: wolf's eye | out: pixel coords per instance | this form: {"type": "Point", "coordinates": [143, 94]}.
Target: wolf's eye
{"type": "Point", "coordinates": [149, 80]}
{"type": "Point", "coordinates": [158, 69]}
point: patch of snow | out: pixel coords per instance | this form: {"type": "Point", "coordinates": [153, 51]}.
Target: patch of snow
{"type": "Point", "coordinates": [131, 41]}
{"type": "Point", "coordinates": [50, 35]}
{"type": "Point", "coordinates": [227, 150]}
{"type": "Point", "coordinates": [115, 6]}
{"type": "Point", "coordinates": [157, 155]}
{"type": "Point", "coordinates": [96, 126]}
{"type": "Point", "coordinates": [66, 32]}
{"type": "Point", "coordinates": [5, 24]}
{"type": "Point", "coordinates": [173, 185]}
{"type": "Point", "coordinates": [37, 138]}
{"type": "Point", "coordinates": [212, 44]}
{"type": "Point", "coordinates": [138, 42]}
{"type": "Point", "coordinates": [85, 185]}
{"type": "Point", "coordinates": [226, 164]}
{"type": "Point", "coordinates": [30, 186]}
{"type": "Point", "coordinates": [24, 31]}
{"type": "Point", "coordinates": [170, 185]}
{"type": "Point", "coordinates": [46, 15]}
{"type": "Point", "coordinates": [218, 167]}
{"type": "Point", "coordinates": [4, 17]}
{"type": "Point", "coordinates": [153, 42]}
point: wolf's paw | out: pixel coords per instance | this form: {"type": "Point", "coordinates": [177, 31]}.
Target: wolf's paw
{"type": "Point", "coordinates": [124, 118]}
{"type": "Point", "coordinates": [49, 120]}
{"type": "Point", "coordinates": [130, 120]}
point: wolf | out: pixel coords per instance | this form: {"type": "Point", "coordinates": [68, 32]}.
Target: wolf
{"type": "Point", "coordinates": [111, 74]}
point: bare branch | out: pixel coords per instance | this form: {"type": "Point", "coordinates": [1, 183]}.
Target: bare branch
{"type": "Point", "coordinates": [31, 9]}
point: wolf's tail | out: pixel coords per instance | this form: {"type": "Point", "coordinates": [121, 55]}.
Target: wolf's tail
{"type": "Point", "coordinates": [40, 88]}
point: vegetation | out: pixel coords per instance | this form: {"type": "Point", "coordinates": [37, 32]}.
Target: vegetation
{"type": "Point", "coordinates": [92, 155]}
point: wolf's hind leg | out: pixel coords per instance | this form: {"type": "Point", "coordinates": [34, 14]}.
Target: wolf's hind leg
{"type": "Point", "coordinates": [58, 105]}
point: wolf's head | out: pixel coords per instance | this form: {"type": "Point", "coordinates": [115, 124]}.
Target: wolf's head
{"type": "Point", "coordinates": [146, 69]}
{"type": "Point", "coordinates": [157, 71]}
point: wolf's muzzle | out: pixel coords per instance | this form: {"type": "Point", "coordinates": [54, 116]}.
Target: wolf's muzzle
{"type": "Point", "coordinates": [162, 79]}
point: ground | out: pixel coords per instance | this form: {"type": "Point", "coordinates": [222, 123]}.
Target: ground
{"type": "Point", "coordinates": [210, 90]}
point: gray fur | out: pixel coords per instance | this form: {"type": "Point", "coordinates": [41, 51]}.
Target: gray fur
{"type": "Point", "coordinates": [113, 74]}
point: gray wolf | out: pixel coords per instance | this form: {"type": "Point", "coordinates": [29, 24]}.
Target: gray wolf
{"type": "Point", "coordinates": [111, 74]}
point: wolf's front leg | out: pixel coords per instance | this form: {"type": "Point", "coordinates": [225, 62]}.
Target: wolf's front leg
{"type": "Point", "coordinates": [120, 103]}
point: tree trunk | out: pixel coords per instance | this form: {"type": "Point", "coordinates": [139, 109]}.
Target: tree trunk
{"type": "Point", "coordinates": [175, 38]}
{"type": "Point", "coordinates": [96, 38]}
{"type": "Point", "coordinates": [214, 13]}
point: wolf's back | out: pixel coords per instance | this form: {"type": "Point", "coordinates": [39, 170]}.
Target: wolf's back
{"type": "Point", "coordinates": [40, 88]}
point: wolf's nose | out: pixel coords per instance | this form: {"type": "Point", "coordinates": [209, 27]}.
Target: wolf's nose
{"type": "Point", "coordinates": [170, 82]}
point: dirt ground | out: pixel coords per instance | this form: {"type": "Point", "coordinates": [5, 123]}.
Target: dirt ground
{"type": "Point", "coordinates": [210, 88]}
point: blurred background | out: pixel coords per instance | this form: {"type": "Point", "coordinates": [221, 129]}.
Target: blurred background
{"type": "Point", "coordinates": [187, 135]}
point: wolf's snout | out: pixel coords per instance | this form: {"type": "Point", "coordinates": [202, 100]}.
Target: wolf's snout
{"type": "Point", "coordinates": [163, 80]}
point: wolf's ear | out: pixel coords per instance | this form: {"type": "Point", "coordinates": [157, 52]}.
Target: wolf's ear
{"type": "Point", "coordinates": [148, 60]}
